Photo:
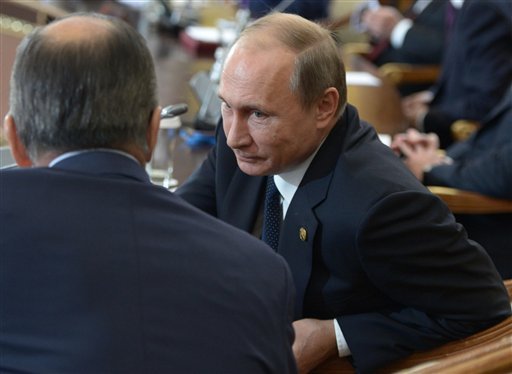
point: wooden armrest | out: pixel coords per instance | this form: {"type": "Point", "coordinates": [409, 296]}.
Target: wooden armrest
{"type": "Point", "coordinates": [495, 357]}
{"type": "Point", "coordinates": [467, 202]}
{"type": "Point", "coordinates": [356, 48]}
{"type": "Point", "coordinates": [508, 286]}
{"type": "Point", "coordinates": [401, 74]}
{"type": "Point", "coordinates": [462, 129]}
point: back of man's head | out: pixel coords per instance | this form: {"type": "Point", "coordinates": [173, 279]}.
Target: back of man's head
{"type": "Point", "coordinates": [85, 81]}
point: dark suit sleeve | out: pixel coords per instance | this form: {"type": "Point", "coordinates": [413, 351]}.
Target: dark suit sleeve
{"type": "Point", "coordinates": [482, 53]}
{"type": "Point", "coordinates": [490, 174]}
{"type": "Point", "coordinates": [422, 45]}
{"type": "Point", "coordinates": [445, 288]}
{"type": "Point", "coordinates": [424, 41]}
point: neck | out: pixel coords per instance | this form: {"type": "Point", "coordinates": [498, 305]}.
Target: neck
{"type": "Point", "coordinates": [45, 159]}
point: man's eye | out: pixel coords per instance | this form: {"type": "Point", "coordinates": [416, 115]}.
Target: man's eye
{"type": "Point", "coordinates": [258, 114]}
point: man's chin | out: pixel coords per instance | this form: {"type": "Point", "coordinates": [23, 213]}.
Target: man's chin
{"type": "Point", "coordinates": [252, 168]}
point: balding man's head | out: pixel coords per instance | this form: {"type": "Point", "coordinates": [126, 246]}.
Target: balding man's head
{"type": "Point", "coordinates": [78, 29]}
{"type": "Point", "coordinates": [85, 81]}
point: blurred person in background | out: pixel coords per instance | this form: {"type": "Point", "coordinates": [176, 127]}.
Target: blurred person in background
{"type": "Point", "coordinates": [417, 37]}
{"type": "Point", "coordinates": [475, 73]}
{"type": "Point", "coordinates": [483, 164]}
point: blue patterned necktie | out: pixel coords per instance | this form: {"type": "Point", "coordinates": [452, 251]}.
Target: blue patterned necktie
{"type": "Point", "coordinates": [272, 214]}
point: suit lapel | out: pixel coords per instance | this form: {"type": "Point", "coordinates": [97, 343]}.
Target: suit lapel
{"type": "Point", "coordinates": [300, 227]}
{"type": "Point", "coordinates": [241, 204]}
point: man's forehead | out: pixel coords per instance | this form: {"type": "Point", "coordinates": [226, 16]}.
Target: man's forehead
{"type": "Point", "coordinates": [254, 66]}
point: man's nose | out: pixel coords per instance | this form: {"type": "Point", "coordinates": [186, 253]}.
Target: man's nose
{"type": "Point", "coordinates": [237, 133]}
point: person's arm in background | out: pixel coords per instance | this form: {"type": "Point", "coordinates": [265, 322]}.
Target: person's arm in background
{"type": "Point", "coordinates": [380, 22]}
{"type": "Point", "coordinates": [419, 41]}
{"type": "Point", "coordinates": [486, 66]}
{"type": "Point", "coordinates": [422, 41]}
{"type": "Point", "coordinates": [420, 151]}
{"type": "Point", "coordinates": [490, 173]}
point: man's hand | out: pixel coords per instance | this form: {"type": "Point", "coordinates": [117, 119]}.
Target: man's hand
{"type": "Point", "coordinates": [415, 107]}
{"type": "Point", "coordinates": [315, 342]}
{"type": "Point", "coordinates": [381, 21]}
{"type": "Point", "coordinates": [420, 151]}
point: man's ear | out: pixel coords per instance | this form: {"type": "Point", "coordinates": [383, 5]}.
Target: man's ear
{"type": "Point", "coordinates": [152, 132]}
{"type": "Point", "coordinates": [327, 106]}
{"type": "Point", "coordinates": [18, 150]}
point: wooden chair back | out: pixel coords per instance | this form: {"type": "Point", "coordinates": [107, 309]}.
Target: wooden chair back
{"type": "Point", "coordinates": [495, 357]}
{"type": "Point", "coordinates": [467, 202]}
{"type": "Point", "coordinates": [401, 74]}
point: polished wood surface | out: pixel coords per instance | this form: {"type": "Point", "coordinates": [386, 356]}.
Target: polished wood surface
{"type": "Point", "coordinates": [468, 202]}
{"type": "Point", "coordinates": [379, 105]}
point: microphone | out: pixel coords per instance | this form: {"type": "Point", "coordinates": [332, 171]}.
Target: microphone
{"type": "Point", "coordinates": [173, 111]}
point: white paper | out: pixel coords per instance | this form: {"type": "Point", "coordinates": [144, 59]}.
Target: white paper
{"type": "Point", "coordinates": [362, 78]}
{"type": "Point", "coordinates": [210, 34]}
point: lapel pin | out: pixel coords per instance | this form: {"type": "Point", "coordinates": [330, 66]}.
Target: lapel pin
{"type": "Point", "coordinates": [303, 234]}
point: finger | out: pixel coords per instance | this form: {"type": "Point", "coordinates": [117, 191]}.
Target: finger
{"type": "Point", "coordinates": [405, 149]}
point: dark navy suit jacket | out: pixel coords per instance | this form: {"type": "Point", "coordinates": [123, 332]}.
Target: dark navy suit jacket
{"type": "Point", "coordinates": [477, 66]}
{"type": "Point", "coordinates": [382, 254]}
{"type": "Point", "coordinates": [103, 272]}
{"type": "Point", "coordinates": [424, 42]}
{"type": "Point", "coordinates": [483, 164]}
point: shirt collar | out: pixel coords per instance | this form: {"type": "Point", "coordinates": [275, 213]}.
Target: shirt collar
{"type": "Point", "coordinates": [287, 183]}
{"type": "Point", "coordinates": [67, 155]}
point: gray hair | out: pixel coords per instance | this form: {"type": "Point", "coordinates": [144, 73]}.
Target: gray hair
{"type": "Point", "coordinates": [318, 64]}
{"type": "Point", "coordinates": [97, 92]}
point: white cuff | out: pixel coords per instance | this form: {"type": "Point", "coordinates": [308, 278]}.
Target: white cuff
{"type": "Point", "coordinates": [399, 31]}
{"type": "Point", "coordinates": [343, 349]}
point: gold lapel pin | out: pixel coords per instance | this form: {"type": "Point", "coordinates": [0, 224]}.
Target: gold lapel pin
{"type": "Point", "coordinates": [303, 234]}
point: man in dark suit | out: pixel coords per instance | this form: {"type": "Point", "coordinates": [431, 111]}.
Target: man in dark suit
{"type": "Point", "coordinates": [415, 38]}
{"type": "Point", "coordinates": [482, 163]}
{"type": "Point", "coordinates": [476, 70]}
{"type": "Point", "coordinates": [102, 271]}
{"type": "Point", "coordinates": [380, 266]}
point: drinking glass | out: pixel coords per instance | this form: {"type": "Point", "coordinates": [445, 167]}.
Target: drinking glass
{"type": "Point", "coordinates": [161, 167]}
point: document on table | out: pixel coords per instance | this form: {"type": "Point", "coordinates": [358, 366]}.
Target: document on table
{"type": "Point", "coordinates": [362, 78]}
